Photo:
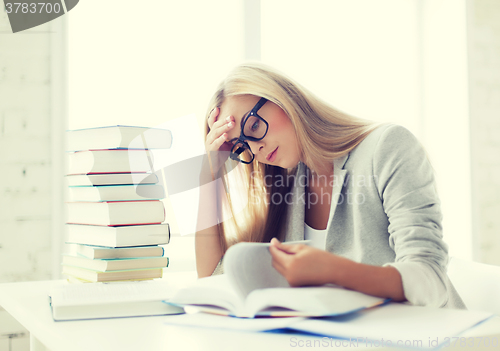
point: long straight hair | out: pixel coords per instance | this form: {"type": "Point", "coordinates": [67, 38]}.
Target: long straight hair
{"type": "Point", "coordinates": [323, 134]}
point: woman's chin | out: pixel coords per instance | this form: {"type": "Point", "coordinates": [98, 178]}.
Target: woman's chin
{"type": "Point", "coordinates": [292, 164]}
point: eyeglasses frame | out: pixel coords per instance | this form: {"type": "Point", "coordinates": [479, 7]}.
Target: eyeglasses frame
{"type": "Point", "coordinates": [242, 138]}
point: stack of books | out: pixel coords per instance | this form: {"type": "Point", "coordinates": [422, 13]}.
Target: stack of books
{"type": "Point", "coordinates": [115, 217]}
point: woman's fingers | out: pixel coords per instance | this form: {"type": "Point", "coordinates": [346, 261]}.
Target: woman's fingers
{"type": "Point", "coordinates": [276, 243]}
{"type": "Point", "coordinates": [213, 116]}
{"type": "Point", "coordinates": [224, 127]}
{"type": "Point", "coordinates": [216, 143]}
{"type": "Point", "coordinates": [218, 129]}
{"type": "Point", "coordinates": [214, 120]}
{"type": "Point", "coordinates": [278, 259]}
{"type": "Point", "coordinates": [279, 267]}
{"type": "Point", "coordinates": [282, 262]}
{"type": "Point", "coordinates": [279, 255]}
{"type": "Point", "coordinates": [290, 249]}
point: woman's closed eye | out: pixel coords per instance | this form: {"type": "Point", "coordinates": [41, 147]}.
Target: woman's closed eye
{"type": "Point", "coordinates": [255, 125]}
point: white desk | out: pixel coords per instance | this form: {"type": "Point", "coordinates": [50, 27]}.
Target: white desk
{"type": "Point", "coordinates": [28, 303]}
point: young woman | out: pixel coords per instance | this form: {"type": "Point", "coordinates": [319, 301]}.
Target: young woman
{"type": "Point", "coordinates": [363, 193]}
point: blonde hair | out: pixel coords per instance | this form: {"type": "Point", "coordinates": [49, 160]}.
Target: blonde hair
{"type": "Point", "coordinates": [323, 134]}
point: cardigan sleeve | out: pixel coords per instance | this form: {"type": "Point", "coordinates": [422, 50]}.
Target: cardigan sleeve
{"type": "Point", "coordinates": [406, 186]}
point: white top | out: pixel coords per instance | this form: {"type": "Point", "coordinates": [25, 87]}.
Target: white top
{"type": "Point", "coordinates": [317, 236]}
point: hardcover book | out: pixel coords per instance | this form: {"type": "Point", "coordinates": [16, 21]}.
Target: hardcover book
{"type": "Point", "coordinates": [110, 161]}
{"type": "Point", "coordinates": [115, 264]}
{"type": "Point", "coordinates": [100, 252]}
{"type": "Point", "coordinates": [116, 192]}
{"type": "Point", "coordinates": [95, 276]}
{"type": "Point", "coordinates": [120, 136]}
{"type": "Point", "coordinates": [119, 236]}
{"type": "Point", "coordinates": [126, 299]}
{"type": "Point", "coordinates": [116, 212]}
{"type": "Point", "coordinates": [111, 179]}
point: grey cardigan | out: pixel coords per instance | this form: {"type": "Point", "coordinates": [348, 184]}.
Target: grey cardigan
{"type": "Point", "coordinates": [384, 211]}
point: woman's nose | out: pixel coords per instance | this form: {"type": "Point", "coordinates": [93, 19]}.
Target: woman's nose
{"type": "Point", "coordinates": [255, 146]}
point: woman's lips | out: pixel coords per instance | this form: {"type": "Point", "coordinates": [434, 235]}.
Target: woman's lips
{"type": "Point", "coordinates": [272, 155]}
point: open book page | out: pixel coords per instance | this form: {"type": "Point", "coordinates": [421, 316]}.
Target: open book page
{"type": "Point", "coordinates": [252, 287]}
{"type": "Point", "coordinates": [249, 267]}
{"type": "Point", "coordinates": [210, 294]}
{"type": "Point", "coordinates": [308, 301]}
{"type": "Point", "coordinates": [216, 295]}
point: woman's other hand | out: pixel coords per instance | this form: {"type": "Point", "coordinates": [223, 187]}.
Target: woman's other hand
{"type": "Point", "coordinates": [305, 265]}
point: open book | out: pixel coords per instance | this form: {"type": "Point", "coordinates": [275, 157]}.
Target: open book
{"type": "Point", "coordinates": [252, 287]}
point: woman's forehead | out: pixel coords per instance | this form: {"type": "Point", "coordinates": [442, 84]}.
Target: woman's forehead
{"type": "Point", "coordinates": [238, 105]}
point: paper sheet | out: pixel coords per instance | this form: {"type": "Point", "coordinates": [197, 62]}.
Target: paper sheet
{"type": "Point", "coordinates": [397, 325]}
{"type": "Point", "coordinates": [206, 320]}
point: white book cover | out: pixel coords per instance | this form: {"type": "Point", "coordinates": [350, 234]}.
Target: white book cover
{"type": "Point", "coordinates": [119, 136]}
{"type": "Point", "coordinates": [125, 274]}
{"type": "Point", "coordinates": [100, 252]}
{"type": "Point", "coordinates": [116, 212]}
{"type": "Point", "coordinates": [111, 179]}
{"type": "Point", "coordinates": [99, 300]}
{"type": "Point", "coordinates": [110, 161]}
{"type": "Point", "coordinates": [115, 264]}
{"type": "Point", "coordinates": [118, 236]}
{"type": "Point", "coordinates": [116, 192]}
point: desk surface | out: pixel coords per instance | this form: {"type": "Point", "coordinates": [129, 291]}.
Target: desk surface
{"type": "Point", "coordinates": [28, 303]}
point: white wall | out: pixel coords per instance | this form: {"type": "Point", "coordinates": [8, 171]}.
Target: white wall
{"type": "Point", "coordinates": [26, 164]}
{"type": "Point", "coordinates": [362, 56]}
{"type": "Point", "coordinates": [25, 155]}
{"type": "Point", "coordinates": [484, 85]}
{"type": "Point", "coordinates": [445, 117]}
{"type": "Point", "coordinates": [147, 64]}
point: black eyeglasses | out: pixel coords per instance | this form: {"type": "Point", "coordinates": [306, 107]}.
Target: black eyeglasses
{"type": "Point", "coordinates": [253, 128]}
